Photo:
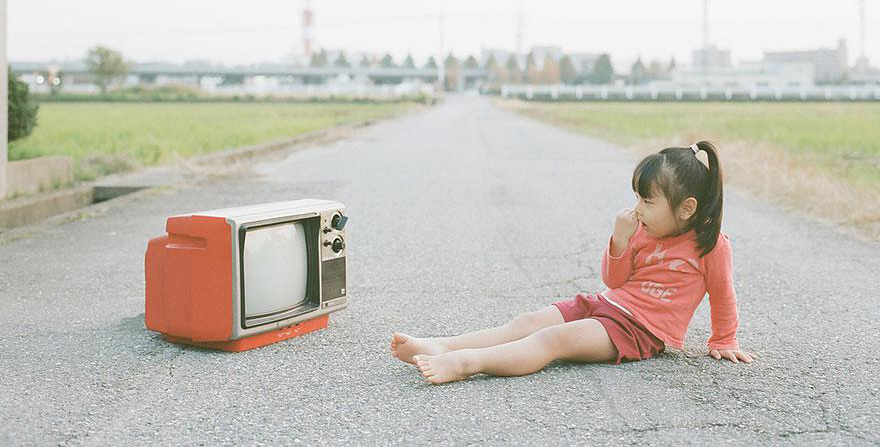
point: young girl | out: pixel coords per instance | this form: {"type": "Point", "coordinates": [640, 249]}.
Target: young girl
{"type": "Point", "coordinates": [662, 258]}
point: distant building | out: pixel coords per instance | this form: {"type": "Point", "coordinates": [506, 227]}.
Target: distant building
{"type": "Point", "coordinates": [710, 58]}
{"type": "Point", "coordinates": [749, 75]}
{"type": "Point", "coordinates": [542, 53]}
{"type": "Point", "coordinates": [830, 64]}
{"type": "Point", "coordinates": [501, 56]}
{"type": "Point", "coordinates": [584, 63]}
{"type": "Point", "coordinates": [864, 74]}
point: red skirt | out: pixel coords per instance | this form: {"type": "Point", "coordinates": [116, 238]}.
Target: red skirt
{"type": "Point", "coordinates": [632, 340]}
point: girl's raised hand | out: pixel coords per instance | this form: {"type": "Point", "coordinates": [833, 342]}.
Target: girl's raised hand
{"type": "Point", "coordinates": [625, 225]}
{"type": "Point", "coordinates": [734, 355]}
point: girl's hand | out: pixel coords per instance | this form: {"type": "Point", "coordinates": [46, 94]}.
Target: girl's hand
{"type": "Point", "coordinates": [734, 355]}
{"type": "Point", "coordinates": [625, 226]}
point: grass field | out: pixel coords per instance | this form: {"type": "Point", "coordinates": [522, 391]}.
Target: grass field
{"type": "Point", "coordinates": [109, 137]}
{"type": "Point", "coordinates": [843, 137]}
{"type": "Point", "coordinates": [820, 158]}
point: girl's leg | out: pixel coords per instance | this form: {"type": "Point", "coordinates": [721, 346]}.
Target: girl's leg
{"type": "Point", "coordinates": [582, 340]}
{"type": "Point", "coordinates": [405, 347]}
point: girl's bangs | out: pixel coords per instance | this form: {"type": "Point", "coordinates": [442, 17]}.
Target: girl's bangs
{"type": "Point", "coordinates": [644, 180]}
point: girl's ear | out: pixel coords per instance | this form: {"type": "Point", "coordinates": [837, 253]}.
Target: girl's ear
{"type": "Point", "coordinates": [687, 208]}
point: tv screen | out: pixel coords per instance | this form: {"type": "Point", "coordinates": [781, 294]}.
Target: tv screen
{"type": "Point", "coordinates": [275, 269]}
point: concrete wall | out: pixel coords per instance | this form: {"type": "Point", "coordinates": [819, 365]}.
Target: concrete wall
{"type": "Point", "coordinates": [4, 97]}
{"type": "Point", "coordinates": [24, 177]}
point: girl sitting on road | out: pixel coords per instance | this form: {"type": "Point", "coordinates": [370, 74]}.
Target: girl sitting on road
{"type": "Point", "coordinates": [663, 257]}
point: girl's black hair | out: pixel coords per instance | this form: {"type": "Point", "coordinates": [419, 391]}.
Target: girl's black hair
{"type": "Point", "coordinates": [676, 173]}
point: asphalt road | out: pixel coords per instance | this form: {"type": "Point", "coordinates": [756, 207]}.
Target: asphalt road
{"type": "Point", "coordinates": [462, 216]}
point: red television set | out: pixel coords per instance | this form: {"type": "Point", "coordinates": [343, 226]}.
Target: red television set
{"type": "Point", "coordinates": [240, 278]}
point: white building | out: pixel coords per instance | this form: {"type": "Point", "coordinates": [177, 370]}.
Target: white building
{"type": "Point", "coordinates": [710, 58]}
{"type": "Point", "coordinates": [584, 63]}
{"type": "Point", "coordinates": [748, 76]}
{"type": "Point", "coordinates": [830, 64]}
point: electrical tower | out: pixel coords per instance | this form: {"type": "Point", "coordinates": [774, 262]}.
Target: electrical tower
{"type": "Point", "coordinates": [863, 58]}
{"type": "Point", "coordinates": [307, 32]}
{"type": "Point", "coordinates": [705, 24]}
{"type": "Point", "coordinates": [520, 24]}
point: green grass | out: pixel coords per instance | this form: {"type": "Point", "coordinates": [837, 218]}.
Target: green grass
{"type": "Point", "coordinates": [109, 137]}
{"type": "Point", "coordinates": [843, 138]}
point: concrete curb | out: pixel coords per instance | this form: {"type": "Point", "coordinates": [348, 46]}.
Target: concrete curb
{"type": "Point", "coordinates": [27, 210]}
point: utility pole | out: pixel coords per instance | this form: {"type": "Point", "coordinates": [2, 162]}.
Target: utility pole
{"type": "Point", "coordinates": [4, 98]}
{"type": "Point", "coordinates": [520, 24]}
{"type": "Point", "coordinates": [705, 61]}
{"type": "Point", "coordinates": [705, 24]}
{"type": "Point", "coordinates": [862, 56]}
{"type": "Point", "coordinates": [441, 63]}
{"type": "Point", "coordinates": [307, 32]}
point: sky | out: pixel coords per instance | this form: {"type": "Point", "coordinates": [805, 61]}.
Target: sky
{"type": "Point", "coordinates": [245, 32]}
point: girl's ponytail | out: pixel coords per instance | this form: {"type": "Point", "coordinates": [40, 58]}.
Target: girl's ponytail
{"type": "Point", "coordinates": [707, 221]}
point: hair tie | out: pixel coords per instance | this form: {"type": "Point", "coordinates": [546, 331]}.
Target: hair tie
{"type": "Point", "coordinates": [695, 148]}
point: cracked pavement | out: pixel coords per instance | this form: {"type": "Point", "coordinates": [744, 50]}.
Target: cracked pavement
{"type": "Point", "coordinates": [462, 217]}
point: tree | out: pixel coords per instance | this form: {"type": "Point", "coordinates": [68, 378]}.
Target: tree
{"type": "Point", "coordinates": [105, 65]}
{"type": "Point", "coordinates": [22, 109]}
{"type": "Point", "coordinates": [319, 59]}
{"type": "Point", "coordinates": [638, 74]}
{"type": "Point", "coordinates": [453, 70]}
{"type": "Point", "coordinates": [387, 61]}
{"type": "Point", "coordinates": [491, 63]}
{"type": "Point", "coordinates": [409, 62]}
{"type": "Point", "coordinates": [497, 73]}
{"type": "Point", "coordinates": [671, 65]}
{"type": "Point", "coordinates": [471, 62]}
{"type": "Point", "coordinates": [513, 70]}
{"type": "Point", "coordinates": [341, 60]}
{"type": "Point", "coordinates": [603, 72]}
{"type": "Point", "coordinates": [567, 72]}
{"type": "Point", "coordinates": [550, 72]}
{"type": "Point", "coordinates": [656, 70]}
{"type": "Point", "coordinates": [431, 63]}
{"type": "Point", "coordinates": [532, 72]}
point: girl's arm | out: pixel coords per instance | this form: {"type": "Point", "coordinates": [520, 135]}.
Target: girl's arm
{"type": "Point", "coordinates": [722, 302]}
{"type": "Point", "coordinates": [616, 269]}
{"type": "Point", "coordinates": [617, 261]}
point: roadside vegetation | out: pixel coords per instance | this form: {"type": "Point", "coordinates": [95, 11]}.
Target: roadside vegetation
{"type": "Point", "coordinates": [822, 159]}
{"type": "Point", "coordinates": [107, 137]}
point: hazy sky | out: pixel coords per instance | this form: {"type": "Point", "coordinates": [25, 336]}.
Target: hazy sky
{"type": "Point", "coordinates": [235, 32]}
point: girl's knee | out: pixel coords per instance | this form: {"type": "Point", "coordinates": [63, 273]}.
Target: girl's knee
{"type": "Point", "coordinates": [582, 340]}
{"type": "Point", "coordinates": [552, 340]}
{"type": "Point", "coordinates": [538, 319]}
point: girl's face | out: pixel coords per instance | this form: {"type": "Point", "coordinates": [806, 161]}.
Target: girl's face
{"type": "Point", "coordinates": [657, 217]}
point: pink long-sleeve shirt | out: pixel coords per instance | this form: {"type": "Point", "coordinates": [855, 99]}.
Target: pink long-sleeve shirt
{"type": "Point", "coordinates": [661, 282]}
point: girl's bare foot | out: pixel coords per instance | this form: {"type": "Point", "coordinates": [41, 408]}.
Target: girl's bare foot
{"type": "Point", "coordinates": [405, 347]}
{"type": "Point", "coordinates": [443, 368]}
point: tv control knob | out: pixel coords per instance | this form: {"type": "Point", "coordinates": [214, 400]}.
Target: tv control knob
{"type": "Point", "coordinates": [338, 245]}
{"type": "Point", "coordinates": [338, 222]}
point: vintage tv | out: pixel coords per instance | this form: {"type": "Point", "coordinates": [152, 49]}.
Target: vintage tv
{"type": "Point", "coordinates": [240, 278]}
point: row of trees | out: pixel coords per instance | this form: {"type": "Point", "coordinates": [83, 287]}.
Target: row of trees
{"type": "Point", "coordinates": [107, 65]}
{"type": "Point", "coordinates": [510, 71]}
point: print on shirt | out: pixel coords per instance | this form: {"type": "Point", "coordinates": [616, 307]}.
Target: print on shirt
{"type": "Point", "coordinates": [658, 290]}
{"type": "Point", "coordinates": [656, 254]}
{"type": "Point", "coordinates": [674, 265]}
